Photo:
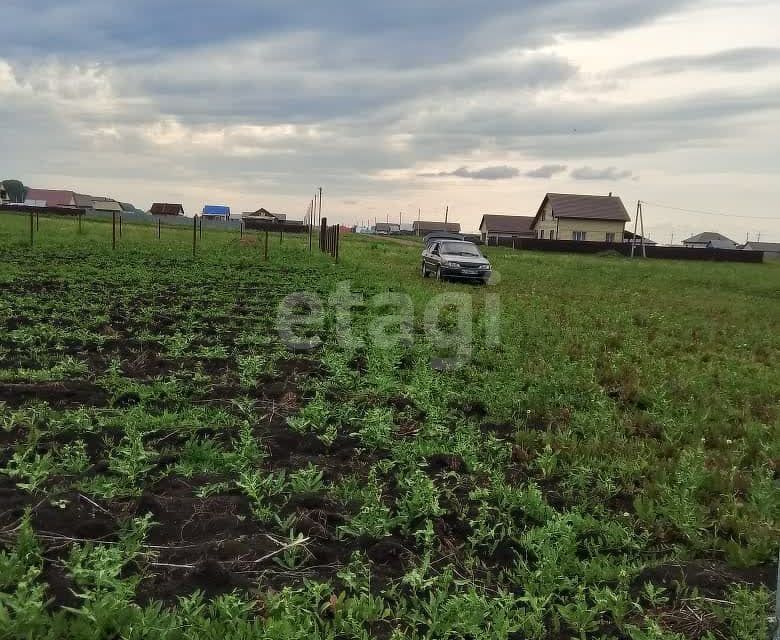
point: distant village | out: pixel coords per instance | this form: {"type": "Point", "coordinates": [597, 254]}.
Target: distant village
{"type": "Point", "coordinates": [574, 218]}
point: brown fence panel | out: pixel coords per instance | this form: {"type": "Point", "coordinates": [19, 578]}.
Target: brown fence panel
{"type": "Point", "coordinates": [652, 251]}
{"type": "Point", "coordinates": [287, 227]}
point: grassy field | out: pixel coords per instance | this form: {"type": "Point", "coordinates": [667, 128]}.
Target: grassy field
{"type": "Point", "coordinates": [602, 464]}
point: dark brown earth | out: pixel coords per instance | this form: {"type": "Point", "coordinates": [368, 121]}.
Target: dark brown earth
{"type": "Point", "coordinates": [66, 394]}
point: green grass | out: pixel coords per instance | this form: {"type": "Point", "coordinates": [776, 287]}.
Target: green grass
{"type": "Point", "coordinates": [606, 468]}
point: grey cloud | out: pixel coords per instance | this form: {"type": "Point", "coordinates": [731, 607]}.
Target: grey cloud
{"type": "Point", "coordinates": [740, 59]}
{"type": "Point", "coordinates": [501, 172]}
{"type": "Point", "coordinates": [609, 173]}
{"type": "Point", "coordinates": [546, 171]}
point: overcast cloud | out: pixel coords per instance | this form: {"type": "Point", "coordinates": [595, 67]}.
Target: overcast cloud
{"type": "Point", "coordinates": [257, 103]}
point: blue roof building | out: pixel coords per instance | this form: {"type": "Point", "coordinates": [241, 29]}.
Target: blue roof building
{"type": "Point", "coordinates": [216, 211]}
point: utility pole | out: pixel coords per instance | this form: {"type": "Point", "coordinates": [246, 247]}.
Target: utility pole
{"type": "Point", "coordinates": [636, 224]}
{"type": "Point", "coordinates": [400, 220]}
{"type": "Point", "coordinates": [446, 215]}
{"type": "Point", "coordinates": [320, 203]}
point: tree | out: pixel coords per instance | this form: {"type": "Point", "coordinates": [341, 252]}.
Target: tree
{"type": "Point", "coordinates": [15, 189]}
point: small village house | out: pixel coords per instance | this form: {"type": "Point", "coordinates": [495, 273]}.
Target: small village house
{"type": "Point", "coordinates": [166, 209]}
{"type": "Point", "coordinates": [630, 237]}
{"type": "Point", "coordinates": [709, 240]}
{"type": "Point", "coordinates": [424, 227]}
{"type": "Point", "coordinates": [105, 205]}
{"type": "Point", "coordinates": [387, 228]}
{"type": "Point", "coordinates": [265, 215]}
{"type": "Point", "coordinates": [771, 250]}
{"type": "Point", "coordinates": [218, 212]}
{"type": "Point", "coordinates": [494, 226]}
{"type": "Point", "coordinates": [84, 201]}
{"type": "Point", "coordinates": [565, 216]}
{"type": "Point", "coordinates": [4, 197]}
{"type": "Point", "coordinates": [50, 198]}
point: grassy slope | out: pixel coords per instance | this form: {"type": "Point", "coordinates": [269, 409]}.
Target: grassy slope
{"type": "Point", "coordinates": [627, 418]}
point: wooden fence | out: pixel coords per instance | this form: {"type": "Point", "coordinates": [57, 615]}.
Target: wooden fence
{"type": "Point", "coordinates": [330, 238]}
{"type": "Point", "coordinates": [624, 248]}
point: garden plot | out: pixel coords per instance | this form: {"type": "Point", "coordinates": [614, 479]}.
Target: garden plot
{"type": "Point", "coordinates": [168, 469]}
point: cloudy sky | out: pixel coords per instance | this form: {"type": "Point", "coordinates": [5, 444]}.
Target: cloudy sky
{"type": "Point", "coordinates": [395, 106]}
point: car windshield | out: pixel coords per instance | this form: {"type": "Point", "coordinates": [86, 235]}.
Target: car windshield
{"type": "Point", "coordinates": [459, 249]}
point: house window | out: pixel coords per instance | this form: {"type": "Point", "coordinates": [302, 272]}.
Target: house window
{"type": "Point", "coordinates": [578, 235]}
{"type": "Point", "coordinates": [552, 233]}
{"type": "Point", "coordinates": [610, 237]}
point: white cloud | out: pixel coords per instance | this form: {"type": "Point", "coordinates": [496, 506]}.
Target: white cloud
{"type": "Point", "coordinates": [369, 111]}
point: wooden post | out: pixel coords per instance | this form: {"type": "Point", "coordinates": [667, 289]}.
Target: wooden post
{"type": "Point", "coordinates": [241, 229]}
{"type": "Point", "coordinates": [201, 227]}
{"type": "Point", "coordinates": [323, 228]}
{"type": "Point", "coordinates": [79, 217]}
{"type": "Point", "coordinates": [194, 233]}
{"type": "Point", "coordinates": [338, 240]}
{"type": "Point", "coordinates": [265, 249]}
{"type": "Point", "coordinates": [636, 223]}
{"type": "Point", "coordinates": [120, 225]}
{"type": "Point", "coordinates": [320, 203]}
{"type": "Point", "coordinates": [311, 224]}
{"type": "Point", "coordinates": [113, 229]}
{"type": "Point", "coordinates": [281, 236]}
{"type": "Point", "coordinates": [31, 228]}
{"type": "Point", "coordinates": [37, 221]}
{"type": "Point", "coordinates": [159, 229]}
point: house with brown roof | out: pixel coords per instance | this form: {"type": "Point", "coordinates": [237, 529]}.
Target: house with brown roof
{"type": "Point", "coordinates": [494, 226]}
{"type": "Point", "coordinates": [167, 209]}
{"type": "Point", "coordinates": [567, 216]}
{"type": "Point", "coordinates": [50, 198]}
{"type": "Point", "coordinates": [424, 227]}
{"type": "Point", "coordinates": [266, 215]}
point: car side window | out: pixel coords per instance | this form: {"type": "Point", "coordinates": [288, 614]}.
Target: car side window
{"type": "Point", "coordinates": [435, 249]}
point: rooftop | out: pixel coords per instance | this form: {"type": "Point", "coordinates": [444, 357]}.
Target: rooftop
{"type": "Point", "coordinates": [572, 205]}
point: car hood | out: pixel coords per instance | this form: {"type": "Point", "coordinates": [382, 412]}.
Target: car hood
{"type": "Point", "coordinates": [451, 257]}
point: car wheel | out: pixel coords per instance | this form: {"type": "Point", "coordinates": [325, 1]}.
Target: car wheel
{"type": "Point", "coordinates": [438, 273]}
{"type": "Point", "coordinates": [424, 271]}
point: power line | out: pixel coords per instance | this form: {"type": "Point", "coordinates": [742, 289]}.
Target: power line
{"type": "Point", "coordinates": [706, 213]}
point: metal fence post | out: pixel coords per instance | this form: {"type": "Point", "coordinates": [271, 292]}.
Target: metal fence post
{"type": "Point", "coordinates": [120, 225]}
{"type": "Point", "coordinates": [37, 221]}
{"type": "Point", "coordinates": [323, 229]}
{"type": "Point", "coordinates": [32, 231]}
{"type": "Point", "coordinates": [777, 601]}
{"type": "Point", "coordinates": [338, 241]}
{"type": "Point", "coordinates": [113, 229]}
{"type": "Point", "coordinates": [265, 249]}
{"type": "Point", "coordinates": [194, 233]}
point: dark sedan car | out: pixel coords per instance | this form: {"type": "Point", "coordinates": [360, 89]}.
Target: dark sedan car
{"type": "Point", "coordinates": [454, 259]}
